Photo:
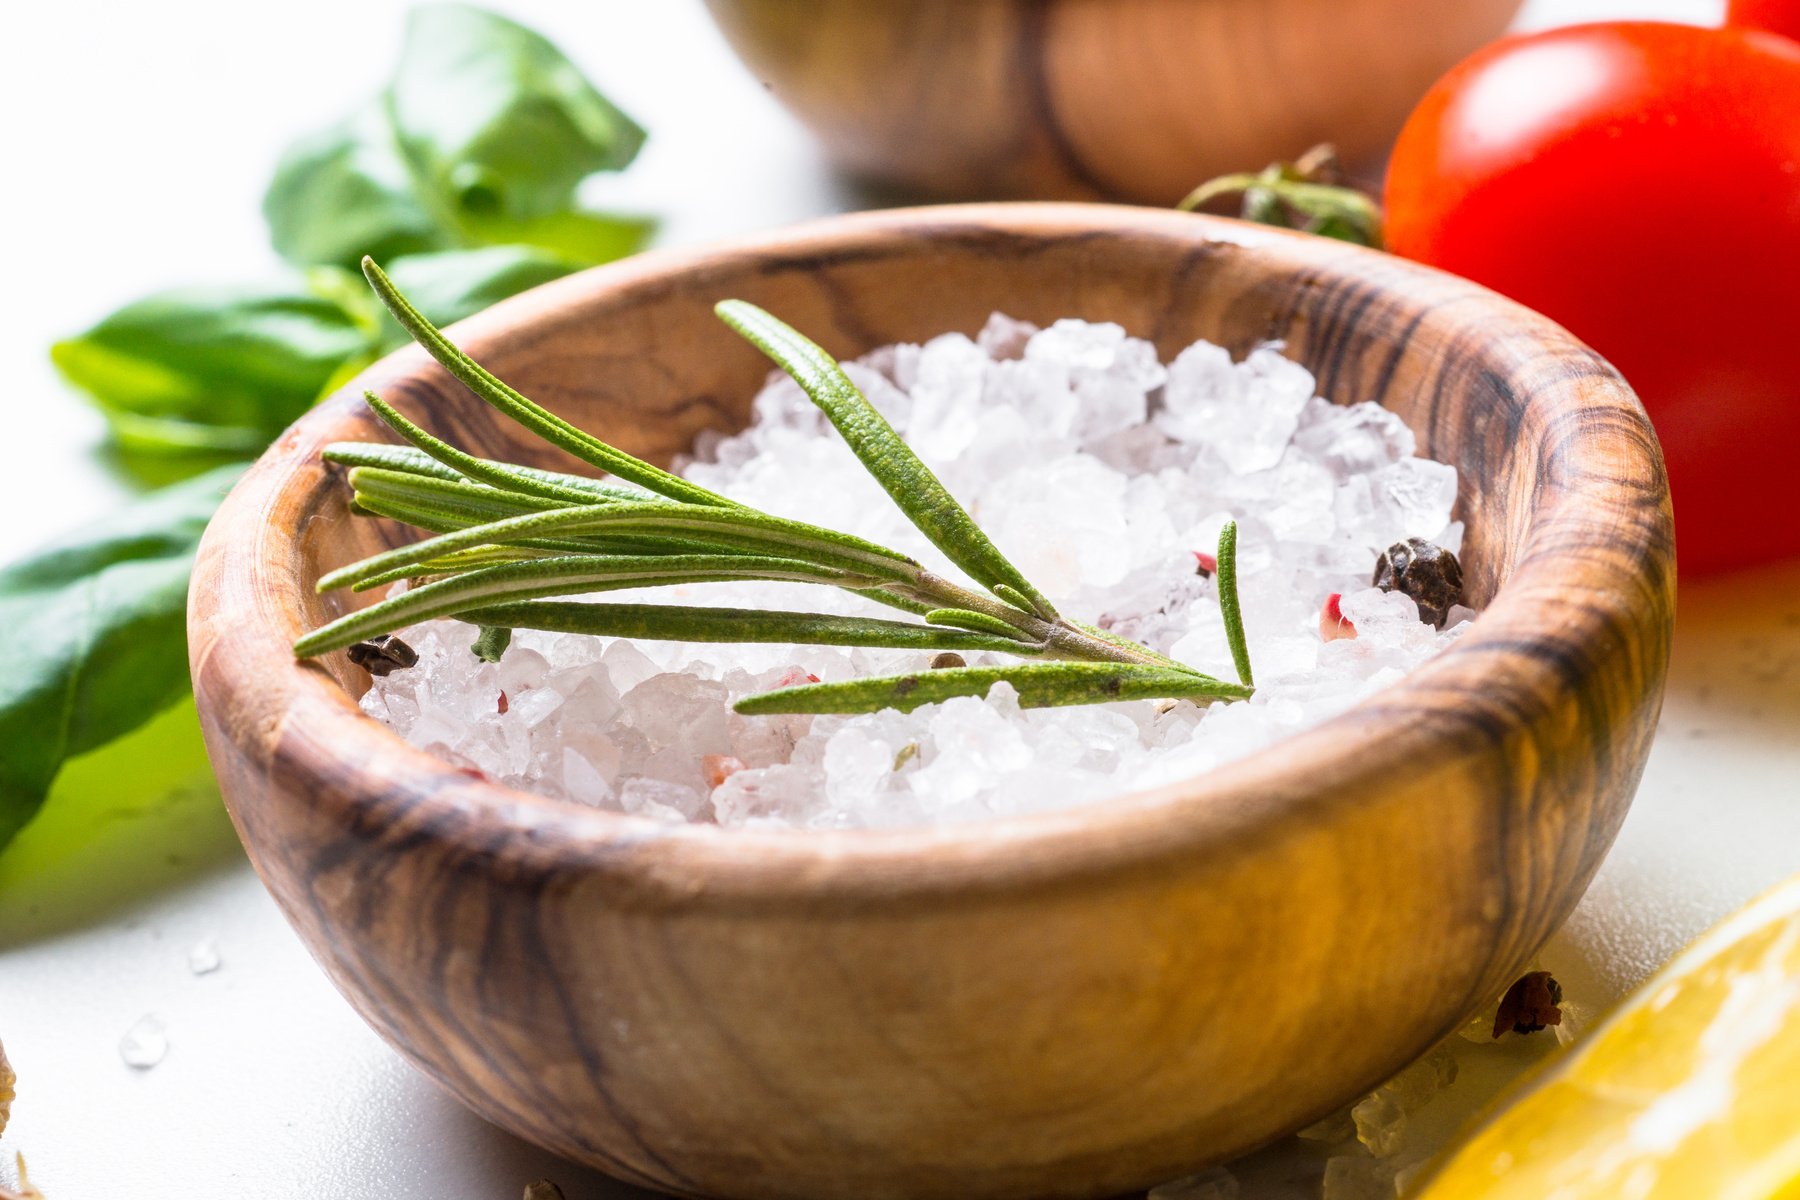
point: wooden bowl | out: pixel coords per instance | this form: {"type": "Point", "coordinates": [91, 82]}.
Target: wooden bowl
{"type": "Point", "coordinates": [1072, 1004]}
{"type": "Point", "coordinates": [1123, 99]}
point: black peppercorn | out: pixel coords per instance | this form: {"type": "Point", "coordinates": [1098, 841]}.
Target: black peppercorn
{"type": "Point", "coordinates": [1530, 1004]}
{"type": "Point", "coordinates": [1425, 571]}
{"type": "Point", "coordinates": [383, 655]}
{"type": "Point", "coordinates": [947, 660]}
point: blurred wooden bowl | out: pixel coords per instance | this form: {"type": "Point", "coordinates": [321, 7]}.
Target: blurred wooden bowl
{"type": "Point", "coordinates": [1120, 99]}
{"type": "Point", "coordinates": [1073, 1004]}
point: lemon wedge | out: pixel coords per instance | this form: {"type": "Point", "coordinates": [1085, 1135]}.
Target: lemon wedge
{"type": "Point", "coordinates": [1689, 1091]}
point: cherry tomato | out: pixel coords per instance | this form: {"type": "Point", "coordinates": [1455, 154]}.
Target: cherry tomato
{"type": "Point", "coordinates": [1781, 16]}
{"type": "Point", "coordinates": [1640, 184]}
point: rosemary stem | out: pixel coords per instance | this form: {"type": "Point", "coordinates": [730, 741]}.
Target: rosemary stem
{"type": "Point", "coordinates": [1059, 638]}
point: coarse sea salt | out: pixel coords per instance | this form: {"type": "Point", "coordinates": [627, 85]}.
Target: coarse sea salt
{"type": "Point", "coordinates": [1100, 472]}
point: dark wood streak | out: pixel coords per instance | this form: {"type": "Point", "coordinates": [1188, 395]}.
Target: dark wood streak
{"type": "Point", "coordinates": [757, 1014]}
{"type": "Point", "coordinates": [1030, 51]}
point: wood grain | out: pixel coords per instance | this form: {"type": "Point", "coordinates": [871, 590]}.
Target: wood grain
{"type": "Point", "coordinates": [1122, 99]}
{"type": "Point", "coordinates": [1073, 1004]}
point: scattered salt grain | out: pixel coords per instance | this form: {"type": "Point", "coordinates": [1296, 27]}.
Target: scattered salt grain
{"type": "Point", "coordinates": [1380, 1123]}
{"type": "Point", "coordinates": [1357, 1177]}
{"type": "Point", "coordinates": [145, 1044]}
{"type": "Point", "coordinates": [1098, 470]}
{"type": "Point", "coordinates": [203, 957]}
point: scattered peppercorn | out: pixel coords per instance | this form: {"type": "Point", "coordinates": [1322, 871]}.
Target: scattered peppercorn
{"type": "Point", "coordinates": [947, 659]}
{"type": "Point", "coordinates": [1205, 564]}
{"type": "Point", "coordinates": [383, 655]}
{"type": "Point", "coordinates": [1425, 571]}
{"type": "Point", "coordinates": [1530, 1004]}
{"type": "Point", "coordinates": [1333, 625]}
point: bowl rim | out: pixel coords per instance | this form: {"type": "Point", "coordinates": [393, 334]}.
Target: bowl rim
{"type": "Point", "coordinates": [294, 718]}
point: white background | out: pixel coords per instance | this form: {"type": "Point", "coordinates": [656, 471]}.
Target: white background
{"type": "Point", "coordinates": [138, 139]}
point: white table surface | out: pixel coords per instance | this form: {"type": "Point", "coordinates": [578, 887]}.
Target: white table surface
{"type": "Point", "coordinates": [139, 138]}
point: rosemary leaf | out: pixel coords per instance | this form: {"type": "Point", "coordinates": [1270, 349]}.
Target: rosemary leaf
{"type": "Point", "coordinates": [676, 623]}
{"type": "Point", "coordinates": [963, 618]}
{"type": "Point", "coordinates": [910, 482]}
{"type": "Point", "coordinates": [566, 576]}
{"type": "Point", "coordinates": [491, 642]}
{"type": "Point", "coordinates": [546, 484]}
{"type": "Point", "coordinates": [541, 421]}
{"type": "Point", "coordinates": [412, 461]}
{"type": "Point", "coordinates": [455, 507]}
{"type": "Point", "coordinates": [724, 529]}
{"type": "Point", "coordinates": [435, 521]}
{"type": "Point", "coordinates": [917, 608]}
{"type": "Point", "coordinates": [451, 564]}
{"type": "Point", "coordinates": [1228, 603]}
{"type": "Point", "coordinates": [387, 457]}
{"type": "Point", "coordinates": [1019, 600]}
{"type": "Point", "coordinates": [1040, 685]}
{"type": "Point", "coordinates": [453, 498]}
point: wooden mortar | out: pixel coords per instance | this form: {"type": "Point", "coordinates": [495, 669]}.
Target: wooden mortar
{"type": "Point", "coordinates": [1074, 1004]}
{"type": "Point", "coordinates": [1123, 99]}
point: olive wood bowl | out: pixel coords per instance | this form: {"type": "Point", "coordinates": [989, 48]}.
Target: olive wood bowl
{"type": "Point", "coordinates": [1072, 1004]}
{"type": "Point", "coordinates": [1125, 99]}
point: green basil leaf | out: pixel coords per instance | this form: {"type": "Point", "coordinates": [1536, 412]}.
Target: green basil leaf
{"type": "Point", "coordinates": [223, 369]}
{"type": "Point", "coordinates": [93, 636]}
{"type": "Point", "coordinates": [454, 284]}
{"type": "Point", "coordinates": [494, 119]}
{"type": "Point", "coordinates": [348, 191]}
{"type": "Point", "coordinates": [584, 238]}
{"type": "Point", "coordinates": [481, 139]}
{"type": "Point", "coordinates": [120, 823]}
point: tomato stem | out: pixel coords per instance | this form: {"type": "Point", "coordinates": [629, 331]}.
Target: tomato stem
{"type": "Point", "coordinates": [1310, 194]}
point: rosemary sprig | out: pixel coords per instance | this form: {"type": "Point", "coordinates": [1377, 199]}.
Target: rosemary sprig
{"type": "Point", "coordinates": [512, 539]}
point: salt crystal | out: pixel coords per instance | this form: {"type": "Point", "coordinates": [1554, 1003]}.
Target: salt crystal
{"type": "Point", "coordinates": [532, 707]}
{"type": "Point", "coordinates": [855, 766]}
{"type": "Point", "coordinates": [581, 781]}
{"type": "Point", "coordinates": [1070, 343]}
{"type": "Point", "coordinates": [653, 797]}
{"type": "Point", "coordinates": [1005, 338]}
{"type": "Point", "coordinates": [145, 1044]}
{"type": "Point", "coordinates": [946, 395]}
{"type": "Point", "coordinates": [1101, 473]}
{"type": "Point", "coordinates": [1354, 1177]}
{"type": "Point", "coordinates": [1419, 493]}
{"type": "Point", "coordinates": [1243, 413]}
{"type": "Point", "coordinates": [203, 957]}
{"type": "Point", "coordinates": [677, 709]}
{"type": "Point", "coordinates": [626, 665]}
{"type": "Point", "coordinates": [1576, 1017]}
{"type": "Point", "coordinates": [1353, 439]}
{"type": "Point", "coordinates": [1380, 1123]}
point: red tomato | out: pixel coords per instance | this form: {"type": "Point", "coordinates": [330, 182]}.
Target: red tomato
{"type": "Point", "coordinates": [1640, 183]}
{"type": "Point", "coordinates": [1782, 16]}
